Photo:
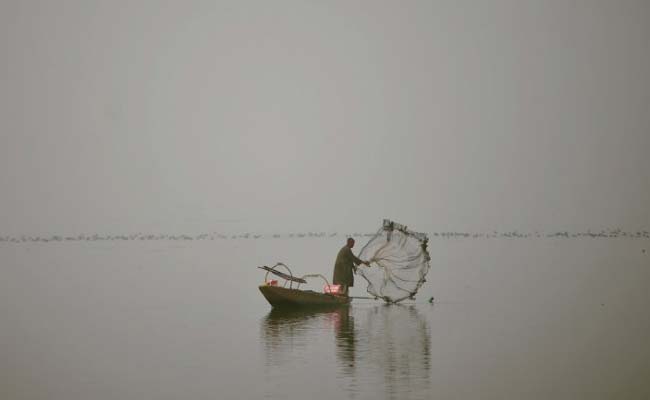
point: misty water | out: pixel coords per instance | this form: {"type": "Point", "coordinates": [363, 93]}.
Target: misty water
{"type": "Point", "coordinates": [533, 318]}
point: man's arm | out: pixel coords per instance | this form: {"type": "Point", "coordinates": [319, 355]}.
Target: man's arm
{"type": "Point", "coordinates": [356, 260]}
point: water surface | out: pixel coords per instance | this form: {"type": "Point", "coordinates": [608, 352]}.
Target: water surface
{"type": "Point", "coordinates": [529, 319]}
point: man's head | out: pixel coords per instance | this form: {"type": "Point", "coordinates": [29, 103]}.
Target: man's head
{"type": "Point", "coordinates": [350, 242]}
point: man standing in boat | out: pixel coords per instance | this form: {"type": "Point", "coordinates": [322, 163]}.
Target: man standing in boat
{"type": "Point", "coordinates": [346, 262]}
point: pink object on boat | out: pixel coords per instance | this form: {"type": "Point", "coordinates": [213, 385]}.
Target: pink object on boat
{"type": "Point", "coordinates": [333, 289]}
{"type": "Point", "coordinates": [272, 282]}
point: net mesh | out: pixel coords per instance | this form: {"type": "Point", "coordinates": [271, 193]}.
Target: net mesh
{"type": "Point", "coordinates": [399, 262]}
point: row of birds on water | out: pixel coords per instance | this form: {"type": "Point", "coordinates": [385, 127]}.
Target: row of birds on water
{"type": "Point", "coordinates": [605, 233]}
{"type": "Point", "coordinates": [149, 236]}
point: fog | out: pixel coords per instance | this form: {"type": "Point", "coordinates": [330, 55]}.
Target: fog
{"type": "Point", "coordinates": [153, 153]}
{"type": "Point", "coordinates": [193, 116]}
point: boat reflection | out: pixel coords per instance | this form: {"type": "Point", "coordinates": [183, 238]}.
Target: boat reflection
{"type": "Point", "coordinates": [290, 333]}
{"type": "Point", "coordinates": [378, 348]}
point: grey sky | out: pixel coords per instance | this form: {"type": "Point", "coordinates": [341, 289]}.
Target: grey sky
{"type": "Point", "coordinates": [162, 116]}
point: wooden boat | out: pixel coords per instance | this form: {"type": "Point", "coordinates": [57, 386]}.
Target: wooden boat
{"type": "Point", "coordinates": [279, 296]}
{"type": "Point", "coordinates": [283, 296]}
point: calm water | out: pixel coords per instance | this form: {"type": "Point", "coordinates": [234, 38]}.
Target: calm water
{"type": "Point", "coordinates": [526, 319]}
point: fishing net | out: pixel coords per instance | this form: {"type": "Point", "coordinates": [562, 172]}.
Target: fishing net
{"type": "Point", "coordinates": [399, 262]}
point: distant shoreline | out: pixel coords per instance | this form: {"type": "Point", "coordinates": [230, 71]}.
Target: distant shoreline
{"type": "Point", "coordinates": [595, 234]}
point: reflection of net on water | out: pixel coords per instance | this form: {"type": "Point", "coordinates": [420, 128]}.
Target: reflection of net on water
{"type": "Point", "coordinates": [399, 262]}
{"type": "Point", "coordinates": [400, 350]}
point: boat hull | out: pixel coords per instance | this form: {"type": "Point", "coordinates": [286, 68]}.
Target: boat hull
{"type": "Point", "coordinates": [283, 297]}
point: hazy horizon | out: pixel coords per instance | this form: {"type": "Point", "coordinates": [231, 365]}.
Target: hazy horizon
{"type": "Point", "coordinates": [143, 116]}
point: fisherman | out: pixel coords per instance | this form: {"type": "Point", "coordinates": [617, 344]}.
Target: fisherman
{"type": "Point", "coordinates": [346, 262]}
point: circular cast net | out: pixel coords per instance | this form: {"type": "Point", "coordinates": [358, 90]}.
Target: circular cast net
{"type": "Point", "coordinates": [399, 262]}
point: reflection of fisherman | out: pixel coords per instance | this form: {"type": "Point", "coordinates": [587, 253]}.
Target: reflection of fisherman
{"type": "Point", "coordinates": [346, 262]}
{"type": "Point", "coordinates": [345, 338]}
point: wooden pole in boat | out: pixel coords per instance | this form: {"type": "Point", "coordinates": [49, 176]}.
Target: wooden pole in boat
{"type": "Point", "coordinates": [364, 297]}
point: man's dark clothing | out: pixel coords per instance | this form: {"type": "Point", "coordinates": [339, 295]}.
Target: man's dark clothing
{"type": "Point", "coordinates": [346, 261]}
